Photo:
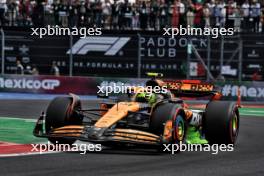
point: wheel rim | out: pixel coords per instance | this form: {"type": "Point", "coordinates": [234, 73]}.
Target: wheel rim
{"type": "Point", "coordinates": [234, 128]}
{"type": "Point", "coordinates": [234, 124]}
{"type": "Point", "coordinates": [179, 128]}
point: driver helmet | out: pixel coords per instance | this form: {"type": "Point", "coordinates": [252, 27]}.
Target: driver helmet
{"type": "Point", "coordinates": [146, 97]}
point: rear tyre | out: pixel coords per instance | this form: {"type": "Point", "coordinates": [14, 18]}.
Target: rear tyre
{"type": "Point", "coordinates": [221, 122]}
{"type": "Point", "coordinates": [59, 114]}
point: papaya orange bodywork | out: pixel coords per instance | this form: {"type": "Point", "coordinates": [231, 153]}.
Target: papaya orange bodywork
{"type": "Point", "coordinates": [70, 130]}
{"type": "Point", "coordinates": [168, 130]}
{"type": "Point", "coordinates": [116, 113]}
{"type": "Point", "coordinates": [136, 132]}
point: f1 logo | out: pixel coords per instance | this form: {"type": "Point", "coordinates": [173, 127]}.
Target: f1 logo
{"type": "Point", "coordinates": [109, 45]}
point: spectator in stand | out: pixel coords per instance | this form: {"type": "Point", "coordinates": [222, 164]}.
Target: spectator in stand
{"type": "Point", "coordinates": [34, 70]}
{"type": "Point", "coordinates": [54, 69]}
{"type": "Point", "coordinates": [238, 18]}
{"type": "Point", "coordinates": [181, 9]}
{"type": "Point", "coordinates": [58, 11]}
{"type": "Point", "coordinates": [3, 8]}
{"type": "Point", "coordinates": [127, 15]}
{"type": "Point", "coordinates": [89, 13]}
{"type": "Point", "coordinates": [19, 68]}
{"type": "Point", "coordinates": [245, 14]}
{"type": "Point", "coordinates": [98, 13]}
{"type": "Point", "coordinates": [206, 14]}
{"type": "Point", "coordinates": [63, 13]}
{"type": "Point", "coordinates": [120, 16]}
{"type": "Point", "coordinates": [135, 16]}
{"type": "Point", "coordinates": [12, 12]}
{"type": "Point", "coordinates": [143, 17]}
{"type": "Point", "coordinates": [255, 15]}
{"type": "Point", "coordinates": [262, 19]}
{"type": "Point", "coordinates": [211, 5]}
{"type": "Point", "coordinates": [106, 13]}
{"type": "Point", "coordinates": [163, 11]}
{"type": "Point", "coordinates": [170, 13]}
{"type": "Point", "coordinates": [28, 70]}
{"type": "Point", "coordinates": [82, 15]}
{"type": "Point", "coordinates": [48, 13]}
{"type": "Point", "coordinates": [230, 14]}
{"type": "Point", "coordinates": [55, 9]}
{"type": "Point", "coordinates": [220, 13]}
{"type": "Point", "coordinates": [73, 12]}
{"type": "Point", "coordinates": [175, 15]}
{"type": "Point", "coordinates": [38, 14]}
{"type": "Point", "coordinates": [190, 14]}
{"type": "Point", "coordinates": [114, 17]}
{"type": "Point", "coordinates": [22, 11]}
{"type": "Point", "coordinates": [257, 75]}
{"type": "Point", "coordinates": [198, 16]}
{"type": "Point", "coordinates": [153, 14]}
{"type": "Point", "coordinates": [30, 9]}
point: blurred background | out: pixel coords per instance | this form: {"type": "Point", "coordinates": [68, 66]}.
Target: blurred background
{"type": "Point", "coordinates": [132, 41]}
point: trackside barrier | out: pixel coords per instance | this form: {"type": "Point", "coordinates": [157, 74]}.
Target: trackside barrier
{"type": "Point", "coordinates": [133, 53]}
{"type": "Point", "coordinates": [246, 91]}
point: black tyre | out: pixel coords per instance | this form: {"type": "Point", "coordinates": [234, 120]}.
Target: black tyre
{"type": "Point", "coordinates": [60, 114]}
{"type": "Point", "coordinates": [221, 122]}
{"type": "Point", "coordinates": [165, 112]}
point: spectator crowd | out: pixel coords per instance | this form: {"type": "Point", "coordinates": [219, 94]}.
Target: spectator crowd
{"type": "Point", "coordinates": [243, 15]}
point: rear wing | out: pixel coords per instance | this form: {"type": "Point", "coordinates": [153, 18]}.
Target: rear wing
{"type": "Point", "coordinates": [192, 88]}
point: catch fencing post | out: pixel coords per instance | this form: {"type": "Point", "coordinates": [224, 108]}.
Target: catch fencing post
{"type": "Point", "coordinates": [208, 58]}
{"type": "Point", "coordinates": [3, 51]}
{"type": "Point", "coordinates": [139, 57]}
{"type": "Point", "coordinates": [240, 60]}
{"type": "Point", "coordinates": [189, 52]}
{"type": "Point", "coordinates": [222, 54]}
{"type": "Point", "coordinates": [71, 57]}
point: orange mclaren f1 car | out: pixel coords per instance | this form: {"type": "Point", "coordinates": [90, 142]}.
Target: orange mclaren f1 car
{"type": "Point", "coordinates": [142, 118]}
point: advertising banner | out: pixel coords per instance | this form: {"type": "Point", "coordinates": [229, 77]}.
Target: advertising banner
{"type": "Point", "coordinates": [61, 84]}
{"type": "Point", "coordinates": [250, 91]}
{"type": "Point", "coordinates": [116, 54]}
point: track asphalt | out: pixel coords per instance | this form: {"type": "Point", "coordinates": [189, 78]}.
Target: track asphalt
{"type": "Point", "coordinates": [247, 159]}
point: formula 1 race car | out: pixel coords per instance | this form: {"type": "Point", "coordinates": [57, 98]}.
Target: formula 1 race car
{"type": "Point", "coordinates": [142, 117]}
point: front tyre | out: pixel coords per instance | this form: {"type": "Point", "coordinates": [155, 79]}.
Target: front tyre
{"type": "Point", "coordinates": [59, 114]}
{"type": "Point", "coordinates": [171, 116]}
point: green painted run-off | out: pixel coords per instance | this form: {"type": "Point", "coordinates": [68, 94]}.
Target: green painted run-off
{"type": "Point", "coordinates": [259, 112]}
{"type": "Point", "coordinates": [17, 130]}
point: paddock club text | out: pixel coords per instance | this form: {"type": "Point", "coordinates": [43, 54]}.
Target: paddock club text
{"type": "Point", "coordinates": [160, 47]}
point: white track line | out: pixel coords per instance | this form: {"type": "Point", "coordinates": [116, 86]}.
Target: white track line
{"type": "Point", "coordinates": [248, 114]}
{"type": "Point", "coordinates": [19, 118]}
{"type": "Point", "coordinates": [26, 154]}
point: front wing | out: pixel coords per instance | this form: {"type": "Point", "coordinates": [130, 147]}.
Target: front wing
{"type": "Point", "coordinates": [99, 135]}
